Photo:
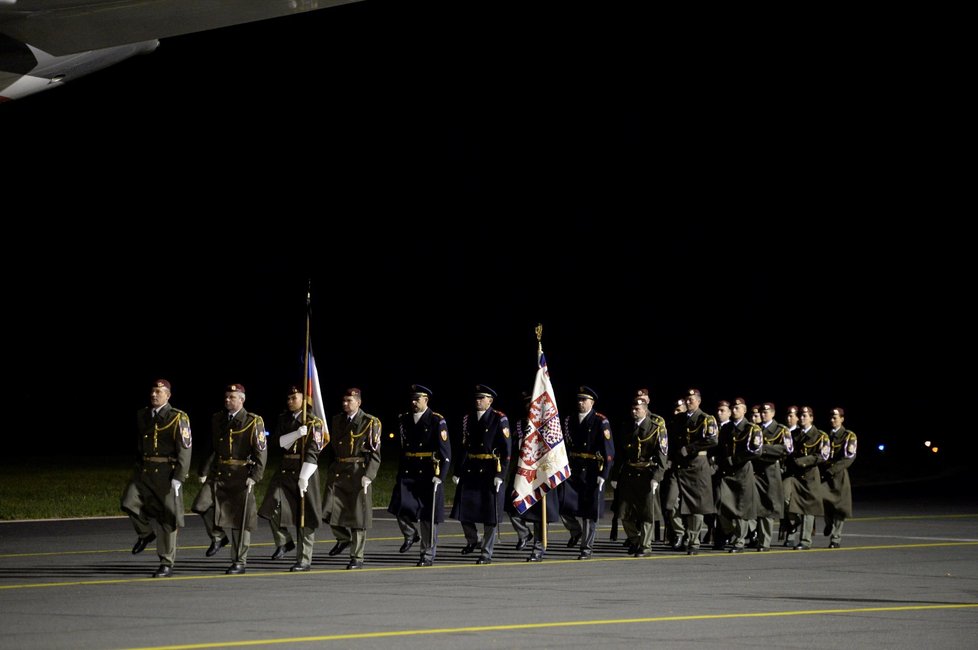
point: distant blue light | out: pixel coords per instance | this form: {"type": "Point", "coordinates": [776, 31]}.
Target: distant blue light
{"type": "Point", "coordinates": [881, 447]}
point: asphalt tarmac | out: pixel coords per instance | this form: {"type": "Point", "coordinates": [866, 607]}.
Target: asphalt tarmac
{"type": "Point", "coordinates": [905, 577]}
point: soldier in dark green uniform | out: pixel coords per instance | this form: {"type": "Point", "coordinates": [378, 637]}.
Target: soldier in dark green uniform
{"type": "Point", "coordinates": [296, 484]}
{"type": "Point", "coordinates": [353, 459]}
{"type": "Point", "coordinates": [229, 474]}
{"type": "Point", "coordinates": [767, 475]}
{"type": "Point", "coordinates": [639, 467]}
{"type": "Point", "coordinates": [836, 487]}
{"type": "Point", "coordinates": [738, 444]}
{"type": "Point", "coordinates": [162, 464]}
{"type": "Point", "coordinates": [804, 487]}
{"type": "Point", "coordinates": [693, 434]}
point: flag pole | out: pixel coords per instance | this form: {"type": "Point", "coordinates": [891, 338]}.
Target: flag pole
{"type": "Point", "coordinates": [305, 403]}
{"type": "Point", "coordinates": [543, 496]}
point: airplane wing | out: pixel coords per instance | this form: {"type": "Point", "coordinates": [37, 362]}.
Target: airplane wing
{"type": "Point", "coordinates": [61, 27]}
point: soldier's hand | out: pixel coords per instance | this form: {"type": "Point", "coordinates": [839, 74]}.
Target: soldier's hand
{"type": "Point", "coordinates": [655, 485]}
{"type": "Point", "coordinates": [365, 482]}
{"type": "Point", "coordinates": [303, 485]}
{"type": "Point", "coordinates": [497, 482]}
{"type": "Point", "coordinates": [613, 484]}
{"type": "Point", "coordinates": [436, 480]}
{"type": "Point", "coordinates": [202, 478]}
{"type": "Point", "coordinates": [600, 482]}
{"type": "Point", "coordinates": [455, 480]}
{"type": "Point", "coordinates": [683, 451]}
{"type": "Point", "coordinates": [250, 482]}
{"type": "Point", "coordinates": [175, 485]}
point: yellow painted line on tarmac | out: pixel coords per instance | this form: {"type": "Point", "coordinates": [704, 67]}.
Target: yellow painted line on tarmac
{"type": "Point", "coordinates": [192, 548]}
{"type": "Point", "coordinates": [476, 567]}
{"type": "Point", "coordinates": [556, 624]}
{"type": "Point", "coordinates": [905, 517]}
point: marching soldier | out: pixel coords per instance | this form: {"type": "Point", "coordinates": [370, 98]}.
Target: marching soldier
{"type": "Point", "coordinates": [591, 453]}
{"type": "Point", "coordinates": [639, 468]}
{"type": "Point", "coordinates": [804, 489]}
{"type": "Point", "coordinates": [353, 458]}
{"type": "Point", "coordinates": [229, 474]}
{"type": "Point", "coordinates": [714, 534]}
{"type": "Point", "coordinates": [296, 484]}
{"type": "Point", "coordinates": [521, 525]}
{"type": "Point", "coordinates": [419, 494]}
{"type": "Point", "coordinates": [835, 477]}
{"type": "Point", "coordinates": [739, 442]}
{"type": "Point", "coordinates": [690, 495]}
{"type": "Point", "coordinates": [163, 461]}
{"type": "Point", "coordinates": [767, 475]}
{"type": "Point", "coordinates": [481, 470]}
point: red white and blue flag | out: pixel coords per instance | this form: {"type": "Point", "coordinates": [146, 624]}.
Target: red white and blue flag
{"type": "Point", "coordinates": [543, 456]}
{"type": "Point", "coordinates": [314, 394]}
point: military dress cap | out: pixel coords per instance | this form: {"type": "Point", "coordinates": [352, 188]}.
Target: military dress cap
{"type": "Point", "coordinates": [694, 391]}
{"type": "Point", "coordinates": [740, 401]}
{"type": "Point", "coordinates": [417, 390]}
{"type": "Point", "coordinates": [841, 412]}
{"type": "Point", "coordinates": [793, 409]}
{"type": "Point", "coordinates": [757, 408]}
{"type": "Point", "coordinates": [722, 403]}
{"type": "Point", "coordinates": [481, 390]}
{"type": "Point", "coordinates": [807, 409]}
{"type": "Point", "coordinates": [294, 390]}
{"type": "Point", "coordinates": [642, 394]}
{"type": "Point", "coordinates": [353, 392]}
{"type": "Point", "coordinates": [767, 406]}
{"type": "Point", "coordinates": [161, 383]}
{"type": "Point", "coordinates": [235, 388]}
{"type": "Point", "coordinates": [586, 392]}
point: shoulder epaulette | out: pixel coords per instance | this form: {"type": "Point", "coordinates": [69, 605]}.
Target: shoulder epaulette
{"type": "Point", "coordinates": [178, 411]}
{"type": "Point", "coordinates": [438, 415]}
{"type": "Point", "coordinates": [499, 413]}
{"type": "Point", "coordinates": [601, 415]}
{"type": "Point", "coordinates": [658, 419]}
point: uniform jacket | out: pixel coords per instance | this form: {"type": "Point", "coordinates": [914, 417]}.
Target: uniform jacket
{"type": "Point", "coordinates": [283, 491]}
{"type": "Point", "coordinates": [353, 452]}
{"type": "Point", "coordinates": [642, 457]}
{"type": "Point", "coordinates": [414, 491]}
{"type": "Point", "coordinates": [476, 498]}
{"type": "Point", "coordinates": [591, 453]}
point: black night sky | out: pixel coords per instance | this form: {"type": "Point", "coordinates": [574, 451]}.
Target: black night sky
{"type": "Point", "coordinates": [677, 209]}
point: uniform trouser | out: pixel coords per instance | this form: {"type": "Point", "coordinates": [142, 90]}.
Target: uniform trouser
{"type": "Point", "coordinates": [489, 533]}
{"type": "Point", "coordinates": [240, 543]}
{"type": "Point", "coordinates": [639, 533]}
{"type": "Point", "coordinates": [422, 529]}
{"type": "Point", "coordinates": [805, 524]}
{"type": "Point", "coordinates": [166, 538]}
{"type": "Point", "coordinates": [835, 535]}
{"type": "Point", "coordinates": [305, 537]}
{"type": "Point", "coordinates": [537, 549]}
{"type": "Point", "coordinates": [586, 528]}
{"type": "Point", "coordinates": [520, 526]}
{"type": "Point", "coordinates": [408, 528]}
{"type": "Point", "coordinates": [765, 531]}
{"type": "Point", "coordinates": [693, 525]}
{"type": "Point", "coordinates": [678, 526]}
{"type": "Point", "coordinates": [355, 537]}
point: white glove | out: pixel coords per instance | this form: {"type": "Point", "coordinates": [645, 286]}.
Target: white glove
{"type": "Point", "coordinates": [203, 478]}
{"type": "Point", "coordinates": [303, 485]}
{"type": "Point", "coordinates": [287, 439]}
{"type": "Point", "coordinates": [600, 482]}
{"type": "Point", "coordinates": [250, 482]}
{"type": "Point", "coordinates": [365, 482]}
{"type": "Point", "coordinates": [498, 482]}
{"type": "Point", "coordinates": [613, 484]}
{"type": "Point", "coordinates": [655, 485]}
{"type": "Point", "coordinates": [436, 480]}
{"type": "Point", "coordinates": [175, 484]}
{"type": "Point", "coordinates": [455, 480]}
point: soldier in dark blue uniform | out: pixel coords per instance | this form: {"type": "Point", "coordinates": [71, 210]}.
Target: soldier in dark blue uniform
{"type": "Point", "coordinates": [591, 453]}
{"type": "Point", "coordinates": [520, 524]}
{"type": "Point", "coordinates": [480, 473]}
{"type": "Point", "coordinates": [425, 455]}
{"type": "Point", "coordinates": [153, 495]}
{"type": "Point", "coordinates": [230, 473]}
